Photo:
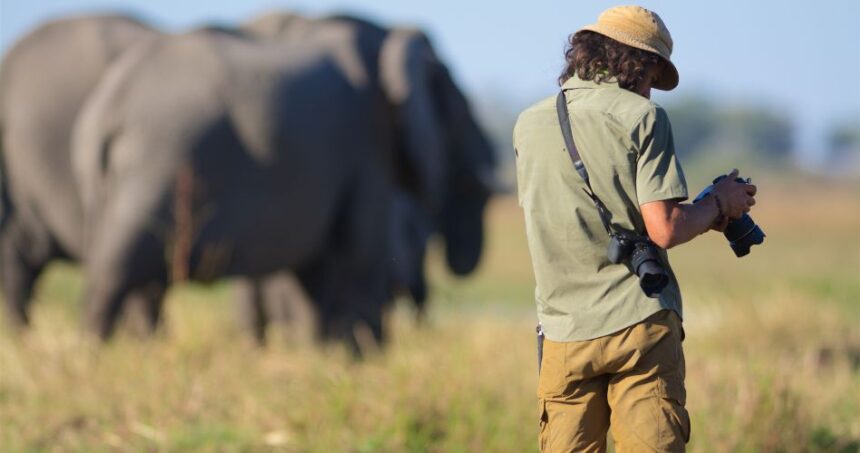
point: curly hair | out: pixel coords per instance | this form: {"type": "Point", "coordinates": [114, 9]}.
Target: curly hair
{"type": "Point", "coordinates": [592, 56]}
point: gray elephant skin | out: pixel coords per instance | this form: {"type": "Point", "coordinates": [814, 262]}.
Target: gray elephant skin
{"type": "Point", "coordinates": [45, 78]}
{"type": "Point", "coordinates": [278, 299]}
{"type": "Point", "coordinates": [285, 153]}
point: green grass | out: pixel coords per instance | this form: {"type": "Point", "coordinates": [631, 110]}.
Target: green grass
{"type": "Point", "coordinates": [773, 357]}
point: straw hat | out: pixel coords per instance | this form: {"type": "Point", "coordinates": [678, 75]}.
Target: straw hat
{"type": "Point", "coordinates": [638, 27]}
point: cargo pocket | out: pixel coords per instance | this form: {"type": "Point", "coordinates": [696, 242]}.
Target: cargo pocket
{"type": "Point", "coordinates": [685, 423]}
{"type": "Point", "coordinates": [674, 419]}
{"type": "Point", "coordinates": [544, 425]}
{"type": "Point", "coordinates": [680, 418]}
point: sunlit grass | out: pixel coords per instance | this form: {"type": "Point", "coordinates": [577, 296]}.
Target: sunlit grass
{"type": "Point", "coordinates": [773, 357]}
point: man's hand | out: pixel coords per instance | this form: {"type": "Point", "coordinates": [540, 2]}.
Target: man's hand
{"type": "Point", "coordinates": [733, 199]}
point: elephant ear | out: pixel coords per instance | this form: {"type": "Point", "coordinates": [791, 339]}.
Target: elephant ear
{"type": "Point", "coordinates": [471, 178]}
{"type": "Point", "coordinates": [407, 73]}
{"type": "Point", "coordinates": [474, 158]}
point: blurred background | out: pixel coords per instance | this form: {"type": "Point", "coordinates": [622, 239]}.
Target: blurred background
{"type": "Point", "coordinates": [773, 343]}
{"type": "Point", "coordinates": [768, 78]}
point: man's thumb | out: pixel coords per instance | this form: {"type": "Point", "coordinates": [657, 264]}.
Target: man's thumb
{"type": "Point", "coordinates": [733, 174]}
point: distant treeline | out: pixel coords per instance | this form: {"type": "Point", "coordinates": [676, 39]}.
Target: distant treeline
{"type": "Point", "coordinates": [700, 125]}
{"type": "Point", "coordinates": [843, 140]}
{"type": "Point", "coordinates": [703, 126]}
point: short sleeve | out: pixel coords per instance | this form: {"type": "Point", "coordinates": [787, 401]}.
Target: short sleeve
{"type": "Point", "coordinates": [517, 165]}
{"type": "Point", "coordinates": [658, 172]}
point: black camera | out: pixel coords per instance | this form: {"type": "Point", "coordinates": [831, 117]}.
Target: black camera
{"type": "Point", "coordinates": [644, 261]}
{"type": "Point", "coordinates": [742, 233]}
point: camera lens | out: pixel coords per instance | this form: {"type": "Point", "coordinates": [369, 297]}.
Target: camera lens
{"type": "Point", "coordinates": [742, 234]}
{"type": "Point", "coordinates": [646, 263]}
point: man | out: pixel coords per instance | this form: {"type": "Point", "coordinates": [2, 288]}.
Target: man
{"type": "Point", "coordinates": [612, 356]}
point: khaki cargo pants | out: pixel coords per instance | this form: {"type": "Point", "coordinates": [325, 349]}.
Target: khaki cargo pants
{"type": "Point", "coordinates": [631, 381]}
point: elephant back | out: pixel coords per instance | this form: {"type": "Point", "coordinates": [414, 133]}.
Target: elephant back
{"type": "Point", "coordinates": [68, 55]}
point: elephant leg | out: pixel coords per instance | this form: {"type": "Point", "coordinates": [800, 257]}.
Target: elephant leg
{"type": "Point", "coordinates": [367, 300]}
{"type": "Point", "coordinates": [104, 302]}
{"type": "Point", "coordinates": [252, 315]}
{"type": "Point", "coordinates": [276, 299]}
{"type": "Point", "coordinates": [142, 308]}
{"type": "Point", "coordinates": [288, 308]}
{"type": "Point", "coordinates": [351, 304]}
{"type": "Point", "coordinates": [22, 257]}
{"type": "Point", "coordinates": [365, 280]}
{"type": "Point", "coordinates": [121, 264]}
{"type": "Point", "coordinates": [319, 281]}
{"type": "Point", "coordinates": [349, 297]}
{"type": "Point", "coordinates": [419, 291]}
{"type": "Point", "coordinates": [367, 285]}
{"type": "Point", "coordinates": [359, 291]}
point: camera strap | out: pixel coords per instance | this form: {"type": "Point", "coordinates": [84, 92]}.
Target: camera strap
{"type": "Point", "coordinates": [567, 133]}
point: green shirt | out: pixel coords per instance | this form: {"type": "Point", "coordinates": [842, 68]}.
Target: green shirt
{"type": "Point", "coordinates": [626, 143]}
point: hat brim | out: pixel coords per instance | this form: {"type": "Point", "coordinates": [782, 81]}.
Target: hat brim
{"type": "Point", "coordinates": [668, 78]}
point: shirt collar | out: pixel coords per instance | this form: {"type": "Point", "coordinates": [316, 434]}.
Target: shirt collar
{"type": "Point", "coordinates": [575, 82]}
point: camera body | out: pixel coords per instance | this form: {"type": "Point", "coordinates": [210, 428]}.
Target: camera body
{"type": "Point", "coordinates": [742, 233]}
{"type": "Point", "coordinates": [644, 260]}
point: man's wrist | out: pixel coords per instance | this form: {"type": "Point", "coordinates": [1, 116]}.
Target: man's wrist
{"type": "Point", "coordinates": [720, 217]}
{"type": "Point", "coordinates": [719, 205]}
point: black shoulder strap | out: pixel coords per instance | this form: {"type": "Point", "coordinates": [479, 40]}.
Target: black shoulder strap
{"type": "Point", "coordinates": [567, 133]}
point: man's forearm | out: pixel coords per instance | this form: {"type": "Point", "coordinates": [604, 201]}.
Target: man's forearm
{"type": "Point", "coordinates": [670, 223]}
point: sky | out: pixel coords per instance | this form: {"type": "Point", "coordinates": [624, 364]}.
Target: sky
{"type": "Point", "coordinates": [801, 57]}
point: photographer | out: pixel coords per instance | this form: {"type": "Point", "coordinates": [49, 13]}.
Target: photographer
{"type": "Point", "coordinates": [612, 354]}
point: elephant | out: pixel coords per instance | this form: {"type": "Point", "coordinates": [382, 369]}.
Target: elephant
{"type": "Point", "coordinates": [236, 156]}
{"type": "Point", "coordinates": [45, 77]}
{"type": "Point", "coordinates": [411, 225]}
{"type": "Point", "coordinates": [275, 297]}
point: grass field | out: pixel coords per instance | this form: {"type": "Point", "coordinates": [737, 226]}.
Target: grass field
{"type": "Point", "coordinates": [773, 357]}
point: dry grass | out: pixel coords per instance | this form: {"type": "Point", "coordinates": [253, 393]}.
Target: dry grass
{"type": "Point", "coordinates": [773, 353]}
